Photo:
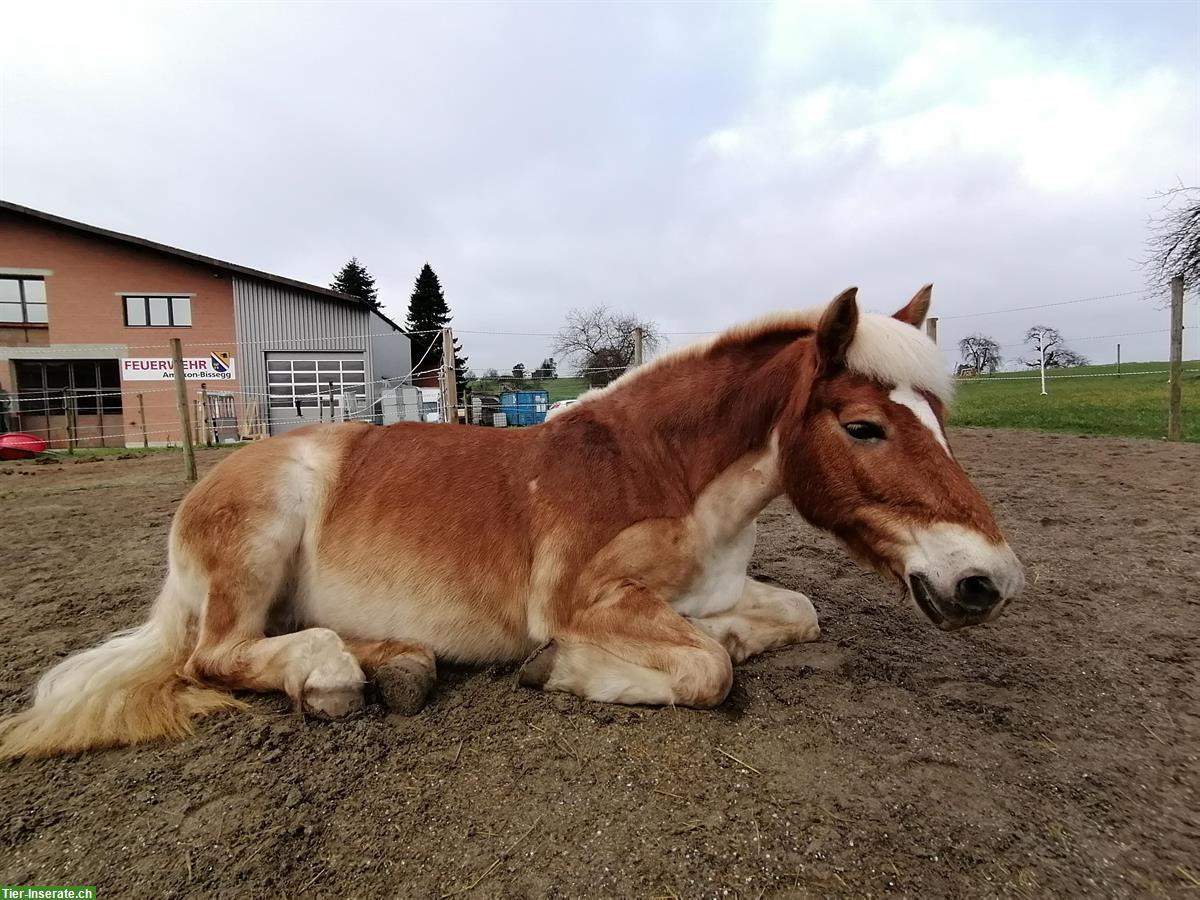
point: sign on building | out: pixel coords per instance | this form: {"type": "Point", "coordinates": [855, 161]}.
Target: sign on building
{"type": "Point", "coordinates": [214, 367]}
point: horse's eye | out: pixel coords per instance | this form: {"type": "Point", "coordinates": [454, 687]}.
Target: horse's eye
{"type": "Point", "coordinates": [865, 431]}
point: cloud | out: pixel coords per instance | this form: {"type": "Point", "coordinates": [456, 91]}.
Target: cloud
{"type": "Point", "coordinates": [968, 154]}
{"type": "Point", "coordinates": [961, 94]}
{"type": "Point", "coordinates": [697, 164]}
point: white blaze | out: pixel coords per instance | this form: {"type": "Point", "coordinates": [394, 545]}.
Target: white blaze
{"type": "Point", "coordinates": [906, 396]}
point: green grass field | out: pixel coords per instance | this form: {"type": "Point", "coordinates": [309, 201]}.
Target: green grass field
{"type": "Point", "coordinates": [1134, 405]}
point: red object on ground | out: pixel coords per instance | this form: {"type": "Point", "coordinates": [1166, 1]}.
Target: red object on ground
{"type": "Point", "coordinates": [18, 445]}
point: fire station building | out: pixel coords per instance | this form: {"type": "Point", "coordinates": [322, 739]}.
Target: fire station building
{"type": "Point", "coordinates": [87, 316]}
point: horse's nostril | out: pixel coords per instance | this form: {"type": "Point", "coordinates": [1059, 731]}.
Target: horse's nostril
{"type": "Point", "coordinates": [977, 592]}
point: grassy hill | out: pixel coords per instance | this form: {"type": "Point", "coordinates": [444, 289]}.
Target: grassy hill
{"type": "Point", "coordinates": [1134, 405]}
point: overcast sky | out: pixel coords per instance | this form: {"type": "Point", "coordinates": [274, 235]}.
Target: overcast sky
{"type": "Point", "coordinates": [695, 164]}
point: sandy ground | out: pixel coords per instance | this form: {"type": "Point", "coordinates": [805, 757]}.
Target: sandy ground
{"type": "Point", "coordinates": [1054, 753]}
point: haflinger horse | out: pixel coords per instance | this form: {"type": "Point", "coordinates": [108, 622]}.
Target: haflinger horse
{"type": "Point", "coordinates": [607, 549]}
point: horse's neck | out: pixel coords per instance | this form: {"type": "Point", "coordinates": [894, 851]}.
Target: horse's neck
{"type": "Point", "coordinates": [715, 413]}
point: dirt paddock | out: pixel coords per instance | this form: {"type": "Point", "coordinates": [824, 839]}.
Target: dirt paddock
{"type": "Point", "coordinates": [1055, 753]}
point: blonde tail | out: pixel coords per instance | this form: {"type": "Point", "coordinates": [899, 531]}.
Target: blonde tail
{"type": "Point", "coordinates": [125, 691]}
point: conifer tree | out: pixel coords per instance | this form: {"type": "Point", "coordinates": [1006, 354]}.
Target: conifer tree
{"type": "Point", "coordinates": [428, 314]}
{"type": "Point", "coordinates": [355, 280]}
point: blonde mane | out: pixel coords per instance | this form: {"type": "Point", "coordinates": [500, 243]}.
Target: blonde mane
{"type": "Point", "coordinates": [884, 349]}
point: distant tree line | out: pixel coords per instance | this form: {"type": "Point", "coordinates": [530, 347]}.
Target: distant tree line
{"type": "Point", "coordinates": [600, 344]}
{"type": "Point", "coordinates": [547, 370]}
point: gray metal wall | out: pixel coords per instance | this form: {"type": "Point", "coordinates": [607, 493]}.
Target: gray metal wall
{"type": "Point", "coordinates": [391, 351]}
{"type": "Point", "coordinates": [272, 317]}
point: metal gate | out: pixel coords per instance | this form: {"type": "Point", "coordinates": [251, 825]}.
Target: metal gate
{"type": "Point", "coordinates": [222, 411]}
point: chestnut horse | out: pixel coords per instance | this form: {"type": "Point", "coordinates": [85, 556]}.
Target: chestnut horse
{"type": "Point", "coordinates": [607, 548]}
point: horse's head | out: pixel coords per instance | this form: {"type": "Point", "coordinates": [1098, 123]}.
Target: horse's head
{"type": "Point", "coordinates": [864, 454]}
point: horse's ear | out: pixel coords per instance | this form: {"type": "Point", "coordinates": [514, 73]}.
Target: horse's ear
{"type": "Point", "coordinates": [918, 307]}
{"type": "Point", "coordinates": [836, 329]}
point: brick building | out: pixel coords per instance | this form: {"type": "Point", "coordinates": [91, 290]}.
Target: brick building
{"type": "Point", "coordinates": [86, 318]}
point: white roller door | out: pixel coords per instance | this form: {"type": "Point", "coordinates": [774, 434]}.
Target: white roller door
{"type": "Point", "coordinates": [298, 385]}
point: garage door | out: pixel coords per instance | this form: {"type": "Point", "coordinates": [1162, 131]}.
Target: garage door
{"type": "Point", "coordinates": [299, 384]}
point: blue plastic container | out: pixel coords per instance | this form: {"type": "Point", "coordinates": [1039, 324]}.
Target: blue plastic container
{"type": "Point", "coordinates": [525, 407]}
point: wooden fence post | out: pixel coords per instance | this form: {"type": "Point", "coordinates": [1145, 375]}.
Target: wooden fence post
{"type": "Point", "coordinates": [142, 419]}
{"type": "Point", "coordinates": [181, 402]}
{"type": "Point", "coordinates": [1175, 403]}
{"type": "Point", "coordinates": [931, 328]}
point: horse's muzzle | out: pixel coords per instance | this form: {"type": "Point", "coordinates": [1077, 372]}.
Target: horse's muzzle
{"type": "Point", "coordinates": [975, 600]}
{"type": "Point", "coordinates": [958, 577]}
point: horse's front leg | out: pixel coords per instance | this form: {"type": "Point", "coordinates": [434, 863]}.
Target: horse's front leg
{"type": "Point", "coordinates": [631, 647]}
{"type": "Point", "coordinates": [765, 617]}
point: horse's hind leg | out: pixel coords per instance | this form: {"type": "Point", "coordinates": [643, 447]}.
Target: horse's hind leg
{"type": "Point", "coordinates": [312, 666]}
{"type": "Point", "coordinates": [403, 671]}
{"type": "Point", "coordinates": [764, 618]}
{"type": "Point", "coordinates": [240, 535]}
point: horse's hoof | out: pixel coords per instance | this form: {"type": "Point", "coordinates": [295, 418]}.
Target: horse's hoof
{"type": "Point", "coordinates": [333, 703]}
{"type": "Point", "coordinates": [403, 686]}
{"type": "Point", "coordinates": [535, 671]}
{"type": "Point", "coordinates": [334, 688]}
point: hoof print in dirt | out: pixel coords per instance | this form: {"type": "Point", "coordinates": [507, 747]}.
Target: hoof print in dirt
{"type": "Point", "coordinates": [403, 687]}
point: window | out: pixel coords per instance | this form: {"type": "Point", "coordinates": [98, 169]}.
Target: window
{"type": "Point", "coordinates": [45, 388]}
{"type": "Point", "coordinates": [158, 311]}
{"type": "Point", "coordinates": [23, 301]}
{"type": "Point", "coordinates": [297, 382]}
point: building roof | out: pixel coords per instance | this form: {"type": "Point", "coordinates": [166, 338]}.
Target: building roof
{"type": "Point", "coordinates": [233, 268]}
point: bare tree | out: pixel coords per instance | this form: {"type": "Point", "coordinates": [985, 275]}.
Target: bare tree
{"type": "Point", "coordinates": [1173, 247]}
{"type": "Point", "coordinates": [600, 342]}
{"type": "Point", "coordinates": [1043, 339]}
{"type": "Point", "coordinates": [1048, 344]}
{"type": "Point", "coordinates": [980, 352]}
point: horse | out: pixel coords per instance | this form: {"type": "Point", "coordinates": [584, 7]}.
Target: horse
{"type": "Point", "coordinates": [605, 551]}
